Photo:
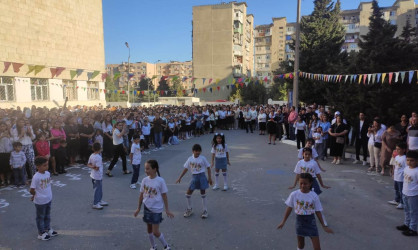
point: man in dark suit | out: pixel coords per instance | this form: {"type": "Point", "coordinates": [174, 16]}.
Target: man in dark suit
{"type": "Point", "coordinates": [360, 138]}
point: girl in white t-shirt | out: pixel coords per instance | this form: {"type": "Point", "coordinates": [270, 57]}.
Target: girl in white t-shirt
{"type": "Point", "coordinates": [306, 204]}
{"type": "Point", "coordinates": [154, 196]}
{"type": "Point", "coordinates": [220, 156]}
{"type": "Point", "coordinates": [399, 166]}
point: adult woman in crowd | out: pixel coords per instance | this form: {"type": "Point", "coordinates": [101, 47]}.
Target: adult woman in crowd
{"type": "Point", "coordinates": [402, 127]}
{"type": "Point", "coordinates": [107, 127]}
{"type": "Point", "coordinates": [262, 117]}
{"type": "Point", "coordinates": [375, 134]}
{"type": "Point", "coordinates": [118, 150]}
{"type": "Point", "coordinates": [337, 132]}
{"type": "Point", "coordinates": [86, 139]}
{"type": "Point", "coordinates": [300, 127]}
{"type": "Point", "coordinates": [5, 149]}
{"type": "Point", "coordinates": [313, 124]}
{"type": "Point", "coordinates": [272, 126]}
{"type": "Point", "coordinates": [23, 133]}
{"type": "Point", "coordinates": [390, 138]}
{"type": "Point", "coordinates": [58, 134]}
{"type": "Point", "coordinates": [280, 119]}
{"type": "Point", "coordinates": [73, 138]}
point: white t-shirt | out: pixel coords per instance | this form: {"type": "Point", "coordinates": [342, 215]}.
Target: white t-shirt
{"type": "Point", "coordinates": [300, 125]}
{"type": "Point", "coordinates": [146, 129]}
{"type": "Point", "coordinates": [197, 165]}
{"type": "Point", "coordinates": [221, 114]}
{"type": "Point", "coordinates": [116, 139]}
{"type": "Point", "coordinates": [253, 114]}
{"type": "Point", "coordinates": [307, 167]}
{"type": "Point", "coordinates": [136, 153]}
{"type": "Point", "coordinates": [318, 135]}
{"type": "Point", "coordinates": [96, 160]}
{"type": "Point", "coordinates": [219, 151]}
{"type": "Point", "coordinates": [410, 181]}
{"type": "Point", "coordinates": [304, 203]}
{"type": "Point", "coordinates": [314, 153]}
{"type": "Point", "coordinates": [262, 117]}
{"type": "Point", "coordinates": [400, 164]}
{"type": "Point", "coordinates": [42, 185]}
{"type": "Point", "coordinates": [152, 190]}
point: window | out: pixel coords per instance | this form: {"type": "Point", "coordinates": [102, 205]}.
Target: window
{"type": "Point", "coordinates": [288, 38]}
{"type": "Point", "coordinates": [267, 47]}
{"type": "Point", "coordinates": [393, 13]}
{"type": "Point", "coordinates": [280, 28]}
{"type": "Point", "coordinates": [7, 89]}
{"type": "Point", "coordinates": [70, 90]}
{"type": "Point", "coordinates": [268, 39]}
{"type": "Point", "coordinates": [39, 89]}
{"type": "Point", "coordinates": [267, 30]}
{"type": "Point", "coordinates": [267, 56]}
{"type": "Point", "coordinates": [267, 65]}
{"type": "Point", "coordinates": [92, 91]}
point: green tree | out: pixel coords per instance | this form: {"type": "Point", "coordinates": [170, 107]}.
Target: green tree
{"type": "Point", "coordinates": [177, 87]}
{"type": "Point", "coordinates": [236, 96]}
{"type": "Point", "coordinates": [252, 93]}
{"type": "Point", "coordinates": [110, 87]}
{"type": "Point", "coordinates": [163, 85]}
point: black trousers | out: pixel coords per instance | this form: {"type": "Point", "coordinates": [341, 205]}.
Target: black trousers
{"type": "Point", "coordinates": [361, 143]}
{"type": "Point", "coordinates": [118, 151]}
{"type": "Point", "coordinates": [300, 138]}
{"type": "Point", "coordinates": [249, 124]}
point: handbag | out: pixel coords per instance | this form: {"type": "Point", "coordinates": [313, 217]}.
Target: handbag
{"type": "Point", "coordinates": [378, 144]}
{"type": "Point", "coordinates": [340, 140]}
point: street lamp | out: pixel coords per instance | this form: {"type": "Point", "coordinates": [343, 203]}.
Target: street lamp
{"type": "Point", "coordinates": [296, 68]}
{"type": "Point", "coordinates": [129, 67]}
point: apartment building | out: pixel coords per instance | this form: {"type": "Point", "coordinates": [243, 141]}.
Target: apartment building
{"type": "Point", "coordinates": [42, 45]}
{"type": "Point", "coordinates": [222, 46]}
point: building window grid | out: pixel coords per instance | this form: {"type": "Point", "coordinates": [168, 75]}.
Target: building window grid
{"type": "Point", "coordinates": [92, 90]}
{"type": "Point", "coordinates": [70, 90]}
{"type": "Point", "coordinates": [7, 92]}
{"type": "Point", "coordinates": [39, 89]}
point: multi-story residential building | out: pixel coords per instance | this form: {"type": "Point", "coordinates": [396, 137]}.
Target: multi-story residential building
{"type": "Point", "coordinates": [43, 44]}
{"type": "Point", "coordinates": [222, 46]}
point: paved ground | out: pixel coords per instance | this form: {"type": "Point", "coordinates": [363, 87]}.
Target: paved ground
{"type": "Point", "coordinates": [245, 217]}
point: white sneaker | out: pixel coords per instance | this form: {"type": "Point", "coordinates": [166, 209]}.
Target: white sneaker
{"type": "Point", "coordinates": [364, 163]}
{"type": "Point", "coordinates": [167, 247]}
{"type": "Point", "coordinates": [52, 233]}
{"type": "Point", "coordinates": [97, 206]}
{"type": "Point", "coordinates": [355, 161]}
{"type": "Point", "coordinates": [138, 182]}
{"type": "Point", "coordinates": [338, 162]}
{"type": "Point", "coordinates": [215, 187]}
{"type": "Point", "coordinates": [44, 236]}
{"type": "Point", "coordinates": [133, 186]}
{"type": "Point", "coordinates": [204, 214]}
{"type": "Point", "coordinates": [103, 203]}
{"type": "Point", "coordinates": [400, 206]}
{"type": "Point", "coordinates": [225, 188]}
{"type": "Point", "coordinates": [393, 202]}
{"type": "Point", "coordinates": [153, 248]}
{"type": "Point", "coordinates": [334, 161]}
{"type": "Point", "coordinates": [188, 213]}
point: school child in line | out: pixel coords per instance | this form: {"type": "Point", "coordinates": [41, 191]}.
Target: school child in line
{"type": "Point", "coordinates": [135, 157]}
{"type": "Point", "coordinates": [220, 156]}
{"type": "Point", "coordinates": [306, 204]}
{"type": "Point", "coordinates": [96, 174]}
{"type": "Point", "coordinates": [318, 136]}
{"type": "Point", "coordinates": [197, 164]}
{"type": "Point", "coordinates": [310, 144]}
{"type": "Point", "coordinates": [17, 163]}
{"type": "Point", "coordinates": [399, 166]}
{"type": "Point", "coordinates": [41, 192]}
{"type": "Point", "coordinates": [307, 165]}
{"type": "Point", "coordinates": [98, 137]}
{"type": "Point", "coordinates": [410, 195]}
{"type": "Point", "coordinates": [42, 146]}
{"type": "Point", "coordinates": [153, 194]}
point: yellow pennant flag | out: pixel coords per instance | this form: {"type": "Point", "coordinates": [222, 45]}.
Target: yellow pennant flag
{"type": "Point", "coordinates": [217, 81]}
{"type": "Point", "coordinates": [359, 79]}
{"type": "Point", "coordinates": [383, 77]}
{"type": "Point", "coordinates": [236, 84]}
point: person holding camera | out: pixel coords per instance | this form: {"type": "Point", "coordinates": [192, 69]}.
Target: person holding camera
{"type": "Point", "coordinates": [375, 133]}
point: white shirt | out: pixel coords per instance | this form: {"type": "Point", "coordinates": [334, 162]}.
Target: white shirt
{"type": "Point", "coordinates": [96, 160]}
{"type": "Point", "coordinates": [314, 153]}
{"type": "Point", "coordinates": [152, 190]}
{"type": "Point", "coordinates": [304, 203]}
{"type": "Point", "coordinates": [219, 151]}
{"type": "Point", "coordinates": [136, 153]}
{"type": "Point", "coordinates": [151, 118]}
{"type": "Point", "coordinates": [197, 165]}
{"type": "Point", "coordinates": [221, 114]}
{"type": "Point", "coordinates": [146, 129]}
{"type": "Point", "coordinates": [300, 125]}
{"type": "Point", "coordinates": [107, 128]}
{"type": "Point", "coordinates": [253, 114]}
{"type": "Point", "coordinates": [17, 159]}
{"type": "Point", "coordinates": [319, 136]}
{"type": "Point", "coordinates": [400, 164]}
{"type": "Point", "coordinates": [307, 167]}
{"type": "Point", "coordinates": [378, 135]}
{"type": "Point", "coordinates": [410, 181]}
{"type": "Point", "coordinates": [116, 139]}
{"type": "Point", "coordinates": [42, 185]}
{"type": "Point", "coordinates": [262, 117]}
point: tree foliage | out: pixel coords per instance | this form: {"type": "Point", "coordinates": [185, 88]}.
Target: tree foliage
{"type": "Point", "coordinates": [253, 93]}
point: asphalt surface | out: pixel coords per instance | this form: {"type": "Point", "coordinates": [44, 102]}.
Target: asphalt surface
{"type": "Point", "coordinates": [244, 217]}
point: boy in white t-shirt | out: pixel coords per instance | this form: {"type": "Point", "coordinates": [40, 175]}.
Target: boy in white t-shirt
{"type": "Point", "coordinates": [41, 191]}
{"type": "Point", "coordinates": [96, 174]}
{"type": "Point", "coordinates": [135, 157]}
{"type": "Point", "coordinates": [319, 142]}
{"type": "Point", "coordinates": [410, 195]}
{"type": "Point", "coordinates": [197, 164]}
{"type": "Point", "coordinates": [399, 166]}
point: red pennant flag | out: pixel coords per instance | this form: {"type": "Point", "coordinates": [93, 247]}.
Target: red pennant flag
{"type": "Point", "coordinates": [204, 89]}
{"type": "Point", "coordinates": [53, 72]}
{"type": "Point", "coordinates": [6, 66]}
{"type": "Point", "coordinates": [165, 77]}
{"type": "Point", "coordinates": [123, 91]}
{"type": "Point", "coordinates": [210, 80]}
{"type": "Point", "coordinates": [104, 90]}
{"type": "Point", "coordinates": [16, 67]}
{"type": "Point", "coordinates": [364, 79]}
{"type": "Point", "coordinates": [218, 87]}
{"type": "Point", "coordinates": [184, 91]}
{"type": "Point", "coordinates": [104, 75]}
{"type": "Point", "coordinates": [241, 84]}
{"type": "Point", "coordinates": [58, 71]}
{"type": "Point", "coordinates": [291, 76]}
{"type": "Point", "coordinates": [240, 79]}
{"type": "Point", "coordinates": [162, 92]}
{"type": "Point", "coordinates": [266, 79]}
{"type": "Point", "coordinates": [390, 77]}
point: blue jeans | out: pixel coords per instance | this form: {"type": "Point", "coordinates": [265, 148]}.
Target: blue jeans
{"type": "Point", "coordinates": [411, 211]}
{"type": "Point", "coordinates": [135, 175]}
{"type": "Point", "coordinates": [157, 138]}
{"type": "Point", "coordinates": [291, 132]}
{"type": "Point", "coordinates": [398, 191]}
{"type": "Point", "coordinates": [19, 175]}
{"type": "Point", "coordinates": [98, 193]}
{"type": "Point", "coordinates": [43, 217]}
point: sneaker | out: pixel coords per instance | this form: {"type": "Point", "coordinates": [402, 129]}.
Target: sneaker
{"type": "Point", "coordinates": [138, 182]}
{"type": "Point", "coordinates": [403, 228]}
{"type": "Point", "coordinates": [225, 188]}
{"type": "Point", "coordinates": [204, 214]}
{"type": "Point", "coordinates": [52, 233]}
{"type": "Point", "coordinates": [153, 248]}
{"type": "Point", "coordinates": [334, 161]}
{"type": "Point", "coordinates": [364, 163]}
{"type": "Point", "coordinates": [44, 236]}
{"type": "Point", "coordinates": [410, 233]}
{"type": "Point", "coordinates": [188, 213]}
{"type": "Point", "coordinates": [400, 206]}
{"type": "Point", "coordinates": [338, 162]}
{"type": "Point", "coordinates": [97, 206]}
{"type": "Point", "coordinates": [103, 203]}
{"type": "Point", "coordinates": [355, 161]}
{"type": "Point", "coordinates": [393, 202]}
{"type": "Point", "coordinates": [133, 186]}
{"type": "Point", "coordinates": [167, 247]}
{"type": "Point", "coordinates": [215, 187]}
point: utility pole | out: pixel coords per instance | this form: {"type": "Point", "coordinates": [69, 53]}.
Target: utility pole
{"type": "Point", "coordinates": [129, 68]}
{"type": "Point", "coordinates": [296, 68]}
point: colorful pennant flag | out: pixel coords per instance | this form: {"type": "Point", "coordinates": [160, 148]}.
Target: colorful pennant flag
{"type": "Point", "coordinates": [6, 66]}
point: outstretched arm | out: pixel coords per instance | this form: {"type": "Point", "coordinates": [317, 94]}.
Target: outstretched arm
{"type": "Point", "coordinates": [296, 181]}
{"type": "Point", "coordinates": [321, 220]}
{"type": "Point", "coordinates": [181, 176]}
{"type": "Point", "coordinates": [286, 215]}
{"type": "Point", "coordinates": [167, 211]}
{"type": "Point", "coordinates": [320, 181]}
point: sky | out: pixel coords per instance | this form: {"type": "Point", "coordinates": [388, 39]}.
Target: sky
{"type": "Point", "coordinates": [162, 29]}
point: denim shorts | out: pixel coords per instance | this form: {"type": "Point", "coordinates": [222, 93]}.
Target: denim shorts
{"type": "Point", "coordinates": [199, 181]}
{"type": "Point", "coordinates": [221, 163]}
{"type": "Point", "coordinates": [306, 226]}
{"type": "Point", "coordinates": [152, 218]}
